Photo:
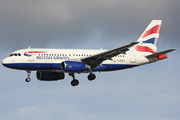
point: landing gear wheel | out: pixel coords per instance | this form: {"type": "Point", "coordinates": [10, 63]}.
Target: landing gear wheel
{"type": "Point", "coordinates": [74, 82]}
{"type": "Point", "coordinates": [28, 79]}
{"type": "Point", "coordinates": [91, 77]}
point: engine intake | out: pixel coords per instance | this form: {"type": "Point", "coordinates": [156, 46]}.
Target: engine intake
{"type": "Point", "coordinates": [74, 66]}
{"type": "Point", "coordinates": [49, 76]}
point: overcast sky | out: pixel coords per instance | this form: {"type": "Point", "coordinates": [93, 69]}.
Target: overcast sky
{"type": "Point", "coordinates": [143, 93]}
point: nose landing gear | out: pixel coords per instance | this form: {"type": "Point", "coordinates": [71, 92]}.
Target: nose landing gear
{"type": "Point", "coordinates": [28, 79]}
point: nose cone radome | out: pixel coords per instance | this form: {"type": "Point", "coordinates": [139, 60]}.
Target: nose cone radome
{"type": "Point", "coordinates": [5, 62]}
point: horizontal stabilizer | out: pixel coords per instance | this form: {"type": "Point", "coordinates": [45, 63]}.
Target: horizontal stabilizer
{"type": "Point", "coordinates": [160, 53]}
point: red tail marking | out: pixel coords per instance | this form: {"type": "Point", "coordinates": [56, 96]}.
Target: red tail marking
{"type": "Point", "coordinates": [155, 29]}
{"type": "Point", "coordinates": [144, 49]}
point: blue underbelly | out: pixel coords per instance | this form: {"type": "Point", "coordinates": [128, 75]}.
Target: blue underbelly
{"type": "Point", "coordinates": [51, 66]}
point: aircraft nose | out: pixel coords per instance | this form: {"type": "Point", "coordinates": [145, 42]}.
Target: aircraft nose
{"type": "Point", "coordinates": [8, 62]}
{"type": "Point", "coordinates": [4, 62]}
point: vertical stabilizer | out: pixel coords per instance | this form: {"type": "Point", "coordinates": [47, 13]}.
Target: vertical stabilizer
{"type": "Point", "coordinates": [148, 39]}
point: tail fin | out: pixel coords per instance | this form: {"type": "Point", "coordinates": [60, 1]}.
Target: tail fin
{"type": "Point", "coordinates": [148, 40]}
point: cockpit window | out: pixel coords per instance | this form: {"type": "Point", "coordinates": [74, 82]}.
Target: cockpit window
{"type": "Point", "coordinates": [11, 55]}
{"type": "Point", "coordinates": [15, 54]}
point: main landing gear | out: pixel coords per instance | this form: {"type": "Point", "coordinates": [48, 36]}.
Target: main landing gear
{"type": "Point", "coordinates": [91, 77]}
{"type": "Point", "coordinates": [75, 82]}
{"type": "Point", "coordinates": [28, 79]}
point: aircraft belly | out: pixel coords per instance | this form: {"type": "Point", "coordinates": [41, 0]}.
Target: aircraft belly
{"type": "Point", "coordinates": [110, 67]}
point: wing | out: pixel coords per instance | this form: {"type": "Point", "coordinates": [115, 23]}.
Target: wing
{"type": "Point", "coordinates": [97, 59]}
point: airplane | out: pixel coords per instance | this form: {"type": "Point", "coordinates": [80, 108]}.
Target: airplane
{"type": "Point", "coordinates": [52, 64]}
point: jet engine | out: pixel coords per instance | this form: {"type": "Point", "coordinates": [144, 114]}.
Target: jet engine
{"type": "Point", "coordinates": [49, 76]}
{"type": "Point", "coordinates": [74, 66]}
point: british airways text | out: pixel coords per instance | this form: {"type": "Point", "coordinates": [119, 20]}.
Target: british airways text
{"type": "Point", "coordinates": [51, 58]}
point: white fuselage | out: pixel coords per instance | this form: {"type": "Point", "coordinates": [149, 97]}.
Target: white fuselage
{"type": "Point", "coordinates": [51, 59]}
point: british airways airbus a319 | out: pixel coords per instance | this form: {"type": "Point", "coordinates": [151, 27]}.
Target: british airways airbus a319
{"type": "Point", "coordinates": [51, 64]}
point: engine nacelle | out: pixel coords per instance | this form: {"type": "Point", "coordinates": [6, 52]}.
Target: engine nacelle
{"type": "Point", "coordinates": [49, 76]}
{"type": "Point", "coordinates": [74, 66]}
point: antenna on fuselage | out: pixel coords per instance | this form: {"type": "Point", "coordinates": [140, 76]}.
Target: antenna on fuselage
{"type": "Point", "coordinates": [29, 47]}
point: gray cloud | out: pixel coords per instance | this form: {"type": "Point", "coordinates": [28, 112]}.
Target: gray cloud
{"type": "Point", "coordinates": [37, 24]}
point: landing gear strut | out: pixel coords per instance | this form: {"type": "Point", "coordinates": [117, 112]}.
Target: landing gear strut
{"type": "Point", "coordinates": [28, 79]}
{"type": "Point", "coordinates": [74, 82]}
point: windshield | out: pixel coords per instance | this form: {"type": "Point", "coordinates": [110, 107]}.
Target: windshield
{"type": "Point", "coordinates": [15, 54]}
{"type": "Point", "coordinates": [11, 55]}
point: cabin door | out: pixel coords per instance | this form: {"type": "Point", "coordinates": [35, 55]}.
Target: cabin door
{"type": "Point", "coordinates": [132, 57]}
